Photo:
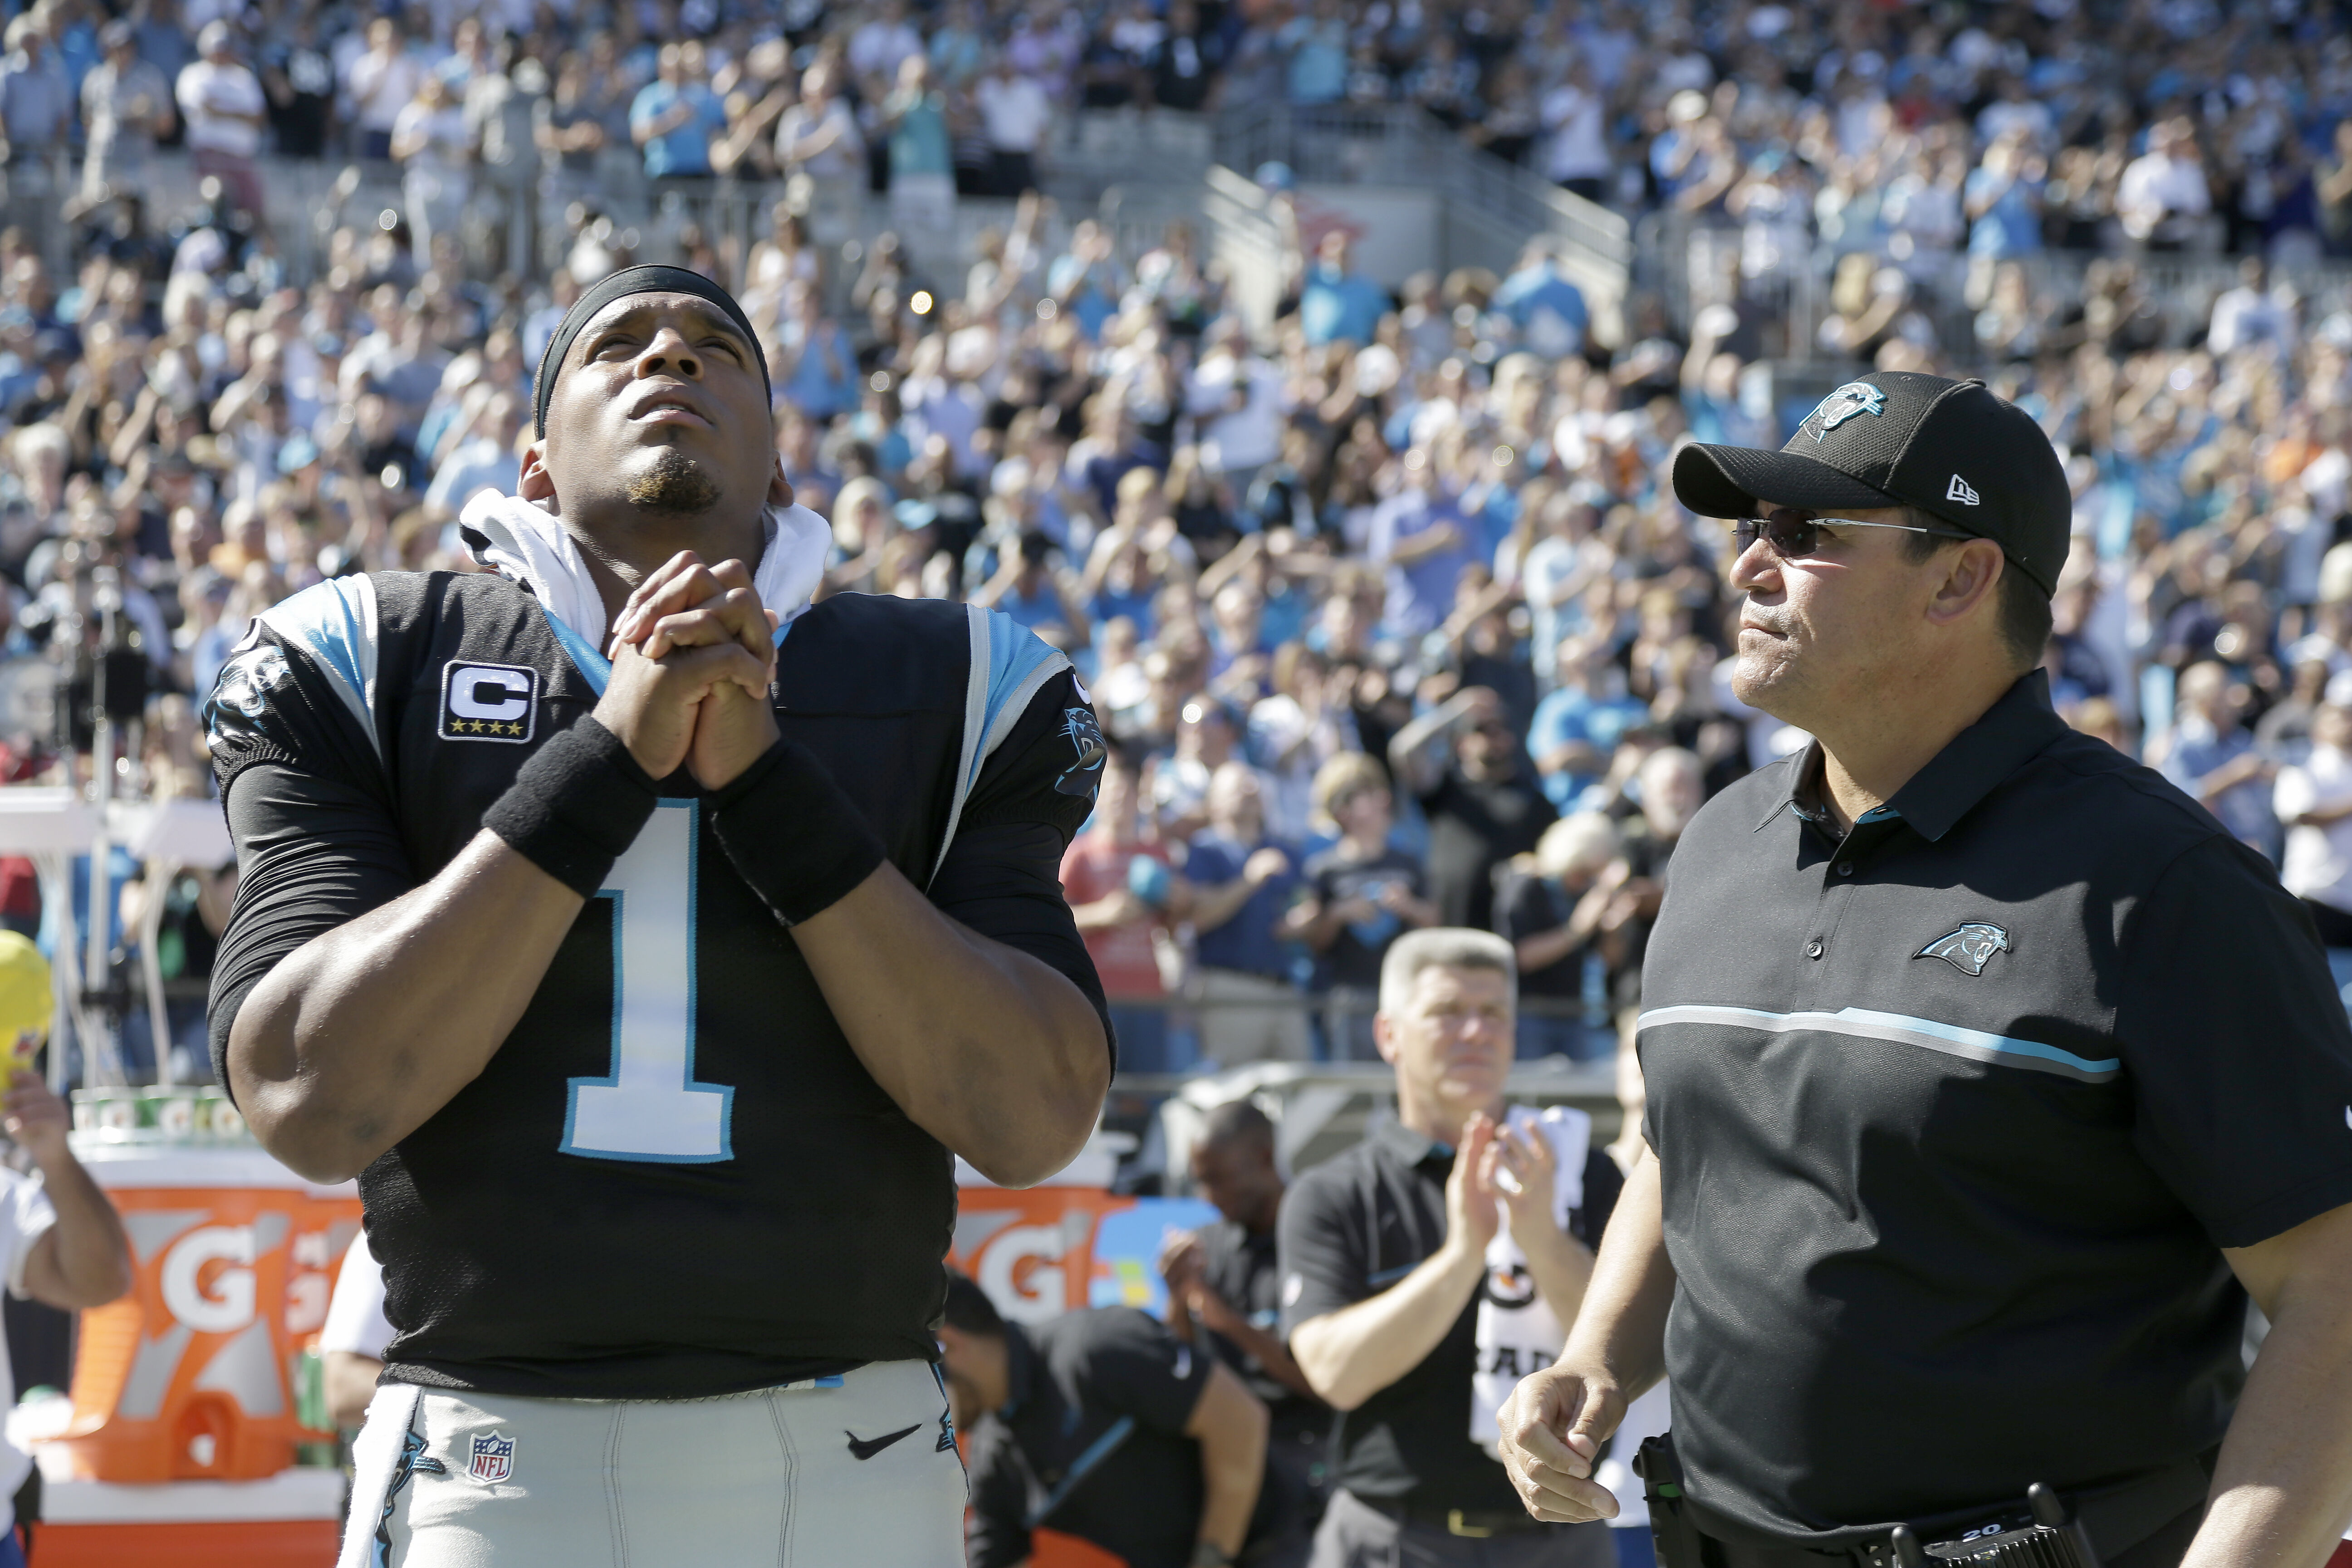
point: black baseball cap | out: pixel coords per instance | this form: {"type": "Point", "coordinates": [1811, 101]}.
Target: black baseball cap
{"type": "Point", "coordinates": [1899, 438]}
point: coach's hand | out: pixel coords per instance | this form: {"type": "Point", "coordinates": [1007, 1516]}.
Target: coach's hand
{"type": "Point", "coordinates": [1554, 1426]}
{"type": "Point", "coordinates": [655, 705]}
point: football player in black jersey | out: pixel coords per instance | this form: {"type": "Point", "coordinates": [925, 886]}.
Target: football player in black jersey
{"type": "Point", "coordinates": [648, 941]}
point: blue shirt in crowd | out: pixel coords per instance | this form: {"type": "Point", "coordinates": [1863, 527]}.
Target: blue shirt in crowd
{"type": "Point", "coordinates": [1568, 715]}
{"type": "Point", "coordinates": [1546, 309]}
{"type": "Point", "coordinates": [1336, 306]}
{"type": "Point", "coordinates": [687, 149]}
{"type": "Point", "coordinates": [1246, 941]}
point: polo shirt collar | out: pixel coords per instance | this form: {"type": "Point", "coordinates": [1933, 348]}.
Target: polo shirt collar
{"type": "Point", "coordinates": [2016, 727]}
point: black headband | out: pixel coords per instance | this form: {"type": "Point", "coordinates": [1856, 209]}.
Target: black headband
{"type": "Point", "coordinates": [619, 285]}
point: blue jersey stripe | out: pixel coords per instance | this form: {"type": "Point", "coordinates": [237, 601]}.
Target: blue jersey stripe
{"type": "Point", "coordinates": [1017, 660]}
{"type": "Point", "coordinates": [334, 623]}
{"type": "Point", "coordinates": [1898, 1028]}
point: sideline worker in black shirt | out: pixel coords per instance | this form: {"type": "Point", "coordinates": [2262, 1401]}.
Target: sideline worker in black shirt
{"type": "Point", "coordinates": [1383, 1253]}
{"type": "Point", "coordinates": [1988, 1074]}
{"type": "Point", "coordinates": [1098, 1424]}
{"type": "Point", "coordinates": [1224, 1293]}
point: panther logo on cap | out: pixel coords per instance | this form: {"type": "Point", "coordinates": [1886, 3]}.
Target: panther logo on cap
{"type": "Point", "coordinates": [1969, 949]}
{"type": "Point", "coordinates": [1855, 398]}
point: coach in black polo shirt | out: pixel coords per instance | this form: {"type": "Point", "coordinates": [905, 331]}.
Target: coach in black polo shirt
{"type": "Point", "coordinates": [1988, 1074]}
{"type": "Point", "coordinates": [1383, 1258]}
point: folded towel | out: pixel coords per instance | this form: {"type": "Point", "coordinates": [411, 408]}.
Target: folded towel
{"type": "Point", "coordinates": [523, 541]}
{"type": "Point", "coordinates": [1518, 1331]}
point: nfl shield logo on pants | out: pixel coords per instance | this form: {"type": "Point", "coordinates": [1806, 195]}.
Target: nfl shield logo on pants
{"type": "Point", "coordinates": [493, 1459]}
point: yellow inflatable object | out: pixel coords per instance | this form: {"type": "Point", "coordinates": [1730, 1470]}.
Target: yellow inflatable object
{"type": "Point", "coordinates": [26, 1003]}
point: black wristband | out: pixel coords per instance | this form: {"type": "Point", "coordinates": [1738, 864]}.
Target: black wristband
{"type": "Point", "coordinates": [576, 806]}
{"type": "Point", "coordinates": [793, 833]}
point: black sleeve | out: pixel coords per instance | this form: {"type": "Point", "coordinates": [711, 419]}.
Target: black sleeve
{"type": "Point", "coordinates": [2235, 1046]}
{"type": "Point", "coordinates": [1133, 1364]}
{"type": "Point", "coordinates": [307, 809]}
{"type": "Point", "coordinates": [996, 1532]}
{"type": "Point", "coordinates": [1003, 873]}
{"type": "Point", "coordinates": [312, 853]}
{"type": "Point", "coordinates": [1318, 1242]}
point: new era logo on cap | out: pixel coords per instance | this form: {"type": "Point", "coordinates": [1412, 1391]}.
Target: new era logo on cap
{"type": "Point", "coordinates": [1958, 490]}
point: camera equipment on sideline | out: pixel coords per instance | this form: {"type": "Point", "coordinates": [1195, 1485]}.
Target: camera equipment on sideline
{"type": "Point", "coordinates": [2039, 1535]}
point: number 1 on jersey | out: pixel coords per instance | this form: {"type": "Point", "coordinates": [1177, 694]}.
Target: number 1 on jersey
{"type": "Point", "coordinates": [651, 1108]}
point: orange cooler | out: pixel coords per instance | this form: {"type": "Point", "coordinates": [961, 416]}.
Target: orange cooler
{"type": "Point", "coordinates": [191, 1376]}
{"type": "Point", "coordinates": [182, 1445]}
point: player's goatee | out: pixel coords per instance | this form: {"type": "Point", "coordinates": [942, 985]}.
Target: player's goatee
{"type": "Point", "coordinates": [674, 483]}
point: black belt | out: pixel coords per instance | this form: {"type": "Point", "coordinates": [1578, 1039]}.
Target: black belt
{"type": "Point", "coordinates": [1475, 1524]}
{"type": "Point", "coordinates": [2116, 1518]}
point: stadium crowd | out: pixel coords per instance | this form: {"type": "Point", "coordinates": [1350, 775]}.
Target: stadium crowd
{"type": "Point", "coordinates": [1388, 617]}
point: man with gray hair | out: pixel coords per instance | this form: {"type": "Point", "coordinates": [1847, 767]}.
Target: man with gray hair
{"type": "Point", "coordinates": [1383, 1254]}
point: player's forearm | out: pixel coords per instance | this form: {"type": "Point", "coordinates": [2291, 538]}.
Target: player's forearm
{"type": "Point", "coordinates": [988, 1050]}
{"type": "Point", "coordinates": [1353, 1354]}
{"type": "Point", "coordinates": [354, 1039]}
{"type": "Point", "coordinates": [2282, 1492]}
{"type": "Point", "coordinates": [1621, 1324]}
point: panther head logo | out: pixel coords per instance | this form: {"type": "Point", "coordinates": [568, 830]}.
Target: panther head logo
{"type": "Point", "coordinates": [1855, 398]}
{"type": "Point", "coordinates": [1084, 736]}
{"type": "Point", "coordinates": [1969, 949]}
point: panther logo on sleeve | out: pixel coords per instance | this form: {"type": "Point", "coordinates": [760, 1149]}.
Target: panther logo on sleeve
{"type": "Point", "coordinates": [245, 683]}
{"type": "Point", "coordinates": [1084, 736]}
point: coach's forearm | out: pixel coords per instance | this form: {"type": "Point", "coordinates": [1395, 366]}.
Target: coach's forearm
{"type": "Point", "coordinates": [1353, 1354]}
{"type": "Point", "coordinates": [988, 1050]}
{"type": "Point", "coordinates": [2282, 1493]}
{"type": "Point", "coordinates": [359, 1036]}
{"type": "Point", "coordinates": [1621, 1326]}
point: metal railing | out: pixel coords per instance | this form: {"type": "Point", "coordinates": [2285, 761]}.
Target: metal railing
{"type": "Point", "coordinates": [1401, 145]}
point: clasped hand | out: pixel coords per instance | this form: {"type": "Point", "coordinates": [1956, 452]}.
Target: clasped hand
{"type": "Point", "coordinates": [693, 655]}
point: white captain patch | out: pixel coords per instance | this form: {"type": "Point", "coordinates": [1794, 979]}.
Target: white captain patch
{"type": "Point", "coordinates": [488, 702]}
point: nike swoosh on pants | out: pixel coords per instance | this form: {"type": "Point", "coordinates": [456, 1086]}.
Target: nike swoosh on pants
{"type": "Point", "coordinates": [865, 1449]}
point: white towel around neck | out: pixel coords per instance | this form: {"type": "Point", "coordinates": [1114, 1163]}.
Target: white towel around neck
{"type": "Point", "coordinates": [1517, 1330]}
{"type": "Point", "coordinates": [524, 542]}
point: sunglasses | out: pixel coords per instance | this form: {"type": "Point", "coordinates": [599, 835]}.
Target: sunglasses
{"type": "Point", "coordinates": [1792, 532]}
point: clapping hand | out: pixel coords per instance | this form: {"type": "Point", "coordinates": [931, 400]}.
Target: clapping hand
{"type": "Point", "coordinates": [1522, 1168]}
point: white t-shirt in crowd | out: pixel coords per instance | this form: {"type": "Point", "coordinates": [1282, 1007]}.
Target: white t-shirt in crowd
{"type": "Point", "coordinates": [1580, 148]}
{"type": "Point", "coordinates": [1244, 437]}
{"type": "Point", "coordinates": [208, 95]}
{"type": "Point", "coordinates": [2319, 859]}
{"type": "Point", "coordinates": [382, 87]}
{"type": "Point", "coordinates": [1013, 113]}
{"type": "Point", "coordinates": [355, 1320]}
{"type": "Point", "coordinates": [25, 1218]}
